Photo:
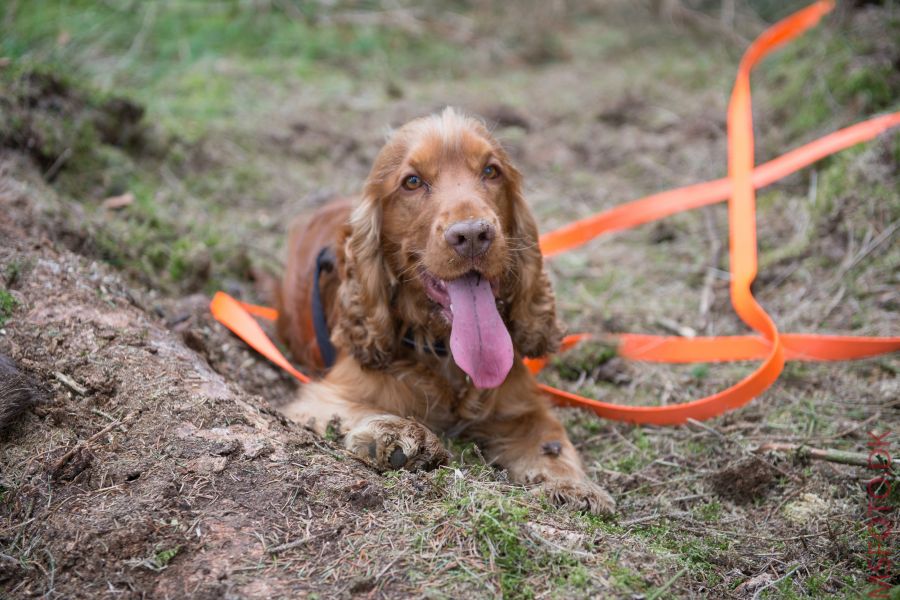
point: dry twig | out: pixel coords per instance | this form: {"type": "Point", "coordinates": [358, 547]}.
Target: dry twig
{"type": "Point", "coordinates": [302, 541]}
{"type": "Point", "coordinates": [71, 383]}
{"type": "Point", "coordinates": [84, 444]}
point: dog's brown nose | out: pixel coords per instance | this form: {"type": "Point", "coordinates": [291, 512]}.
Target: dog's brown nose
{"type": "Point", "coordinates": [470, 238]}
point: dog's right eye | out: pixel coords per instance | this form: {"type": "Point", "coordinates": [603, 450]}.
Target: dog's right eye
{"type": "Point", "coordinates": [413, 182]}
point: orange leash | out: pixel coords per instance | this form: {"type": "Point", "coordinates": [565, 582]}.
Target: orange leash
{"type": "Point", "coordinates": [769, 345]}
{"type": "Point", "coordinates": [236, 316]}
{"type": "Point", "coordinates": [743, 255]}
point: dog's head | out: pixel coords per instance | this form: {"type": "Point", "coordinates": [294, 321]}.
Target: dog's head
{"type": "Point", "coordinates": [443, 243]}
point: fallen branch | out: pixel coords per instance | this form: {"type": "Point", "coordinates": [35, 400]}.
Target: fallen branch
{"type": "Point", "coordinates": [856, 459]}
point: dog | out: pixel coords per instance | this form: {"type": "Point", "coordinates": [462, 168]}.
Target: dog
{"type": "Point", "coordinates": [420, 298]}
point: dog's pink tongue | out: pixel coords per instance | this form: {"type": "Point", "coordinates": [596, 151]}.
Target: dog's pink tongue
{"type": "Point", "coordinates": [479, 340]}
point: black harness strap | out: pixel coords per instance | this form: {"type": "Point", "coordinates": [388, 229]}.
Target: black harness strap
{"type": "Point", "coordinates": [324, 262]}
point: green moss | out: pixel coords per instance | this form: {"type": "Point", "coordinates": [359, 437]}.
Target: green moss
{"type": "Point", "coordinates": [7, 306]}
{"type": "Point", "coordinates": [595, 523]}
{"type": "Point", "coordinates": [583, 358]}
{"type": "Point", "coordinates": [700, 371]}
{"type": "Point", "coordinates": [626, 465]}
{"type": "Point", "coordinates": [641, 441]}
{"type": "Point", "coordinates": [709, 512]}
{"type": "Point", "coordinates": [576, 579]}
{"type": "Point", "coordinates": [699, 555]}
{"type": "Point", "coordinates": [496, 523]}
{"type": "Point", "coordinates": [498, 528]}
{"type": "Point", "coordinates": [162, 558]}
{"type": "Point", "coordinates": [332, 433]}
{"type": "Point", "coordinates": [626, 578]}
{"type": "Point", "coordinates": [501, 531]}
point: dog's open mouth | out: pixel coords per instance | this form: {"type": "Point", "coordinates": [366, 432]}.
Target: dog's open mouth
{"type": "Point", "coordinates": [480, 343]}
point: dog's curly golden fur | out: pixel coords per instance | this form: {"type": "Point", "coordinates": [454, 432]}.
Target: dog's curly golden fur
{"type": "Point", "coordinates": [437, 292]}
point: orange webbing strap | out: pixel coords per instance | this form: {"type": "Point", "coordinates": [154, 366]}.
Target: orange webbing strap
{"type": "Point", "coordinates": [263, 312]}
{"type": "Point", "coordinates": [236, 316]}
{"type": "Point", "coordinates": [742, 227]}
{"type": "Point", "coordinates": [674, 349]}
{"type": "Point", "coordinates": [770, 345]}
{"type": "Point", "coordinates": [797, 346]}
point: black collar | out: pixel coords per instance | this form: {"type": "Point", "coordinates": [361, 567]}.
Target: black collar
{"type": "Point", "coordinates": [439, 347]}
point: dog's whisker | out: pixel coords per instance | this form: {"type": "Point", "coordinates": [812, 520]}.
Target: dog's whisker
{"type": "Point", "coordinates": [414, 268]}
{"type": "Point", "coordinates": [523, 247]}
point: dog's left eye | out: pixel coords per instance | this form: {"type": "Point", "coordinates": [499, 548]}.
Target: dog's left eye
{"type": "Point", "coordinates": [490, 172]}
{"type": "Point", "coordinates": [413, 182]}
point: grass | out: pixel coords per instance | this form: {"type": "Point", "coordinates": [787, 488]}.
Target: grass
{"type": "Point", "coordinates": [66, 126]}
{"type": "Point", "coordinates": [835, 70]}
{"type": "Point", "coordinates": [7, 306]}
{"type": "Point", "coordinates": [520, 541]}
{"type": "Point", "coordinates": [58, 122]}
{"type": "Point", "coordinates": [582, 359]}
{"type": "Point", "coordinates": [498, 527]}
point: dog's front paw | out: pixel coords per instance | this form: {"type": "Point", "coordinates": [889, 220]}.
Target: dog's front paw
{"type": "Point", "coordinates": [579, 495]}
{"type": "Point", "coordinates": [389, 442]}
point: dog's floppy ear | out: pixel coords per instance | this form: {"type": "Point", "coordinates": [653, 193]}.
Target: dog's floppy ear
{"type": "Point", "coordinates": [366, 328]}
{"type": "Point", "coordinates": [532, 306]}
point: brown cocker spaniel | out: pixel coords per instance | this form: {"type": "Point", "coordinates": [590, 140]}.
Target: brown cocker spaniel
{"type": "Point", "coordinates": [433, 289]}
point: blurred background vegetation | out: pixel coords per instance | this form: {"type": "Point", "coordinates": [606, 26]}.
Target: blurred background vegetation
{"type": "Point", "coordinates": [144, 97]}
{"type": "Point", "coordinates": [193, 62]}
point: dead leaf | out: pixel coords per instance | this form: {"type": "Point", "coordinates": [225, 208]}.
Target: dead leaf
{"type": "Point", "coordinates": [754, 583]}
{"type": "Point", "coordinates": [119, 202]}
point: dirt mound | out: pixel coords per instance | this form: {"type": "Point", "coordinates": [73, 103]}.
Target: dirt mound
{"type": "Point", "coordinates": [142, 455]}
